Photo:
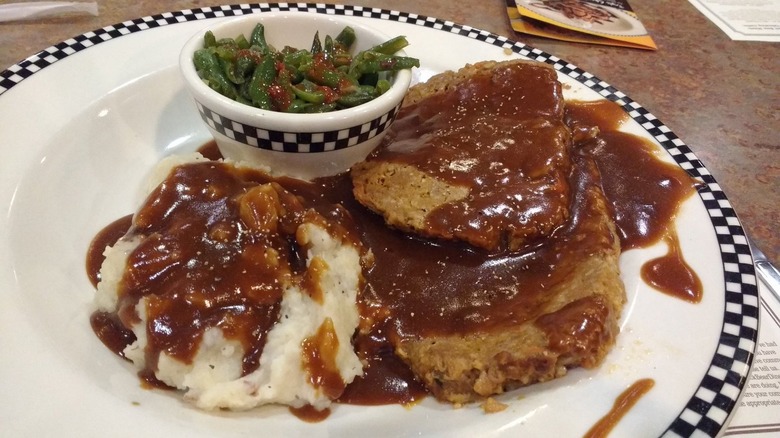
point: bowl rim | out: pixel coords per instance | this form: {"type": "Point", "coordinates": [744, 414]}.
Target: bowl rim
{"type": "Point", "coordinates": [278, 120]}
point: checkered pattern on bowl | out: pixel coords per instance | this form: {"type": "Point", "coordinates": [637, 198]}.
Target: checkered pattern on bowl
{"type": "Point", "coordinates": [296, 141]}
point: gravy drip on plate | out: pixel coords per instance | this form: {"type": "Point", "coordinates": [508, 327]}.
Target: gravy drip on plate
{"type": "Point", "coordinates": [624, 402]}
{"type": "Point", "coordinates": [644, 192]}
{"type": "Point", "coordinates": [309, 414]}
{"type": "Point", "coordinates": [671, 274]}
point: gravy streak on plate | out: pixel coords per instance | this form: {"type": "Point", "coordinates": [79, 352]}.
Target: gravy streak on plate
{"type": "Point", "coordinates": [623, 404]}
{"type": "Point", "coordinates": [671, 274]}
{"type": "Point", "coordinates": [645, 193]}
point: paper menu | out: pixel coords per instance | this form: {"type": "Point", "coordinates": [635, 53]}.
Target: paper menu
{"type": "Point", "coordinates": [757, 20]}
{"type": "Point", "coordinates": [758, 412]}
{"type": "Point", "coordinates": [606, 22]}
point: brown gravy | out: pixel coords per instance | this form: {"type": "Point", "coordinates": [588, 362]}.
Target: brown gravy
{"type": "Point", "coordinates": [644, 193]}
{"type": "Point", "coordinates": [386, 379]}
{"type": "Point", "coordinates": [671, 274]}
{"type": "Point", "coordinates": [319, 355]}
{"type": "Point", "coordinates": [624, 402]}
{"type": "Point", "coordinates": [501, 134]}
{"type": "Point", "coordinates": [111, 332]}
{"type": "Point", "coordinates": [440, 288]}
{"type": "Point", "coordinates": [309, 414]}
{"type": "Point", "coordinates": [217, 249]}
{"type": "Point", "coordinates": [108, 236]}
{"type": "Point", "coordinates": [428, 286]}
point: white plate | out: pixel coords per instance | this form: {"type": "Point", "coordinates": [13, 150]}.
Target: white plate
{"type": "Point", "coordinates": [84, 121]}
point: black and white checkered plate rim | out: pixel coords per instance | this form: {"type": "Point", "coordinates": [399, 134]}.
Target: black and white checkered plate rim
{"type": "Point", "coordinates": [716, 397]}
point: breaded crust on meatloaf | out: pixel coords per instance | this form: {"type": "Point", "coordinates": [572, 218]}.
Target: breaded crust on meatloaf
{"type": "Point", "coordinates": [513, 127]}
{"type": "Point", "coordinates": [576, 327]}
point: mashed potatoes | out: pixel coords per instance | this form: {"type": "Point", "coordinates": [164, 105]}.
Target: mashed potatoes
{"type": "Point", "coordinates": [307, 346]}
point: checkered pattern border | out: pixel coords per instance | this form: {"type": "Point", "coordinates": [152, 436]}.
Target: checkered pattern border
{"type": "Point", "coordinates": [296, 142]}
{"type": "Point", "coordinates": [716, 396]}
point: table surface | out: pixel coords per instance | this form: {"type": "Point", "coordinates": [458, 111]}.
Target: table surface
{"type": "Point", "coordinates": [721, 97]}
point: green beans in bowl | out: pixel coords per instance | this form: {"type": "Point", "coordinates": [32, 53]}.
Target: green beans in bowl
{"type": "Point", "coordinates": [326, 77]}
{"type": "Point", "coordinates": [302, 94]}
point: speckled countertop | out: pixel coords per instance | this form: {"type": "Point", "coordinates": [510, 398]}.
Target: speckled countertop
{"type": "Point", "coordinates": [721, 97]}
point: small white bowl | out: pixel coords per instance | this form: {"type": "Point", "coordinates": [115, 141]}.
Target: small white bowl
{"type": "Point", "coordinates": [304, 146]}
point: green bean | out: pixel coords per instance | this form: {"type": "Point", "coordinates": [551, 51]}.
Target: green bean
{"type": "Point", "coordinates": [297, 58]}
{"type": "Point", "coordinates": [220, 83]}
{"type": "Point", "coordinates": [297, 62]}
{"type": "Point", "coordinates": [226, 42]}
{"type": "Point", "coordinates": [391, 46]}
{"type": "Point", "coordinates": [355, 99]}
{"type": "Point", "coordinates": [382, 86]}
{"type": "Point", "coordinates": [212, 72]}
{"type": "Point", "coordinates": [341, 59]}
{"type": "Point", "coordinates": [257, 39]}
{"type": "Point", "coordinates": [242, 42]}
{"type": "Point", "coordinates": [227, 53]}
{"type": "Point", "coordinates": [328, 47]}
{"type": "Point", "coordinates": [209, 40]}
{"type": "Point", "coordinates": [316, 44]}
{"type": "Point", "coordinates": [295, 75]}
{"type": "Point", "coordinates": [307, 92]}
{"type": "Point", "coordinates": [204, 59]}
{"type": "Point", "coordinates": [329, 78]}
{"type": "Point", "coordinates": [373, 62]}
{"type": "Point", "coordinates": [400, 63]}
{"type": "Point", "coordinates": [297, 106]}
{"type": "Point", "coordinates": [282, 91]}
{"type": "Point", "coordinates": [321, 108]}
{"type": "Point", "coordinates": [231, 73]}
{"type": "Point", "coordinates": [262, 78]}
{"type": "Point", "coordinates": [243, 94]}
{"type": "Point", "coordinates": [346, 37]}
{"type": "Point", "coordinates": [245, 65]}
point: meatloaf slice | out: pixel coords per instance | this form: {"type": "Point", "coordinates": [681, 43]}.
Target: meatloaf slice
{"type": "Point", "coordinates": [576, 325]}
{"type": "Point", "coordinates": [478, 155]}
